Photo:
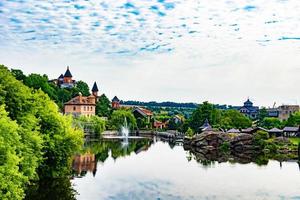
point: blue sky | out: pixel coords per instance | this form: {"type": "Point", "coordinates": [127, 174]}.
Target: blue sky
{"type": "Point", "coordinates": [188, 51]}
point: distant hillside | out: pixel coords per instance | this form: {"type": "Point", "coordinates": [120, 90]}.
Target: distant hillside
{"type": "Point", "coordinates": [160, 104]}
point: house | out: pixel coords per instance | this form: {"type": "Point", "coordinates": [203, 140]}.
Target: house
{"type": "Point", "coordinates": [206, 126]}
{"type": "Point", "coordinates": [291, 131]}
{"type": "Point", "coordinates": [233, 130]}
{"type": "Point", "coordinates": [273, 112]}
{"type": "Point", "coordinates": [143, 113]}
{"type": "Point", "coordinates": [178, 119]}
{"type": "Point", "coordinates": [81, 106]}
{"type": "Point", "coordinates": [285, 111]}
{"type": "Point", "coordinates": [159, 125]}
{"type": "Point", "coordinates": [249, 110]}
{"type": "Point", "coordinates": [115, 103]}
{"type": "Point", "coordinates": [275, 132]}
{"type": "Point", "coordinates": [65, 81]}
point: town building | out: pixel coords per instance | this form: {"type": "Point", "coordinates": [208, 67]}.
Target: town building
{"type": "Point", "coordinates": [81, 106]}
{"type": "Point", "coordinates": [159, 125]}
{"type": "Point", "coordinates": [115, 103]}
{"type": "Point", "coordinates": [249, 110]}
{"type": "Point", "coordinates": [285, 111]}
{"type": "Point", "coordinates": [273, 112]}
{"type": "Point", "coordinates": [143, 113]}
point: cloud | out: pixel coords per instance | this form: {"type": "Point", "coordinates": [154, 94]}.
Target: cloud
{"type": "Point", "coordinates": [178, 50]}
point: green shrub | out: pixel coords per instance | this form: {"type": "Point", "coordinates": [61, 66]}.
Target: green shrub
{"type": "Point", "coordinates": [189, 132]}
{"type": "Point", "coordinates": [225, 147]}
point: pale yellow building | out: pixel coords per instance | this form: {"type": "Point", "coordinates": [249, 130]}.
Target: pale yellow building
{"type": "Point", "coordinates": [81, 105]}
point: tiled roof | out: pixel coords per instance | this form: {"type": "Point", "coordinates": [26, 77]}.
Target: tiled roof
{"type": "Point", "coordinates": [291, 129]}
{"type": "Point", "coordinates": [275, 130]}
{"type": "Point", "coordinates": [233, 130]}
{"type": "Point", "coordinates": [143, 111]}
{"type": "Point", "coordinates": [80, 100]}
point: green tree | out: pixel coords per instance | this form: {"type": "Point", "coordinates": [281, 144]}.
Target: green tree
{"type": "Point", "coordinates": [103, 106]}
{"type": "Point", "coordinates": [118, 118]}
{"type": "Point", "coordinates": [83, 88]}
{"type": "Point", "coordinates": [263, 113]}
{"type": "Point", "coordinates": [18, 74]}
{"type": "Point", "coordinates": [234, 119]}
{"type": "Point", "coordinates": [37, 81]}
{"type": "Point", "coordinates": [294, 120]}
{"type": "Point", "coordinates": [42, 140]}
{"type": "Point", "coordinates": [203, 112]}
{"type": "Point", "coordinates": [270, 122]}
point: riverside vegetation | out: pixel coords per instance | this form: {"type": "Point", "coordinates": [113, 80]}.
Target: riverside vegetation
{"type": "Point", "coordinates": [36, 141]}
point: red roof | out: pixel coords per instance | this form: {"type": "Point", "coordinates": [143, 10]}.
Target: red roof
{"type": "Point", "coordinates": [147, 112]}
{"type": "Point", "coordinates": [81, 100]}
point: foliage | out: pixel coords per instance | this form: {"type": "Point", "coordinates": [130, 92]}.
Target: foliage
{"type": "Point", "coordinates": [203, 112]}
{"type": "Point", "coordinates": [262, 114]}
{"type": "Point", "coordinates": [57, 94]}
{"type": "Point", "coordinates": [294, 120]}
{"type": "Point", "coordinates": [95, 123]}
{"type": "Point", "coordinates": [118, 118]}
{"type": "Point", "coordinates": [103, 106]}
{"type": "Point", "coordinates": [260, 138]}
{"type": "Point", "coordinates": [270, 122]}
{"type": "Point", "coordinates": [225, 147]}
{"type": "Point", "coordinates": [189, 132]}
{"type": "Point", "coordinates": [40, 138]}
{"type": "Point", "coordinates": [234, 119]}
{"type": "Point", "coordinates": [83, 88]}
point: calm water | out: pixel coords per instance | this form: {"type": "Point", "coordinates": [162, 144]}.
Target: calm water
{"type": "Point", "coordinates": [158, 170]}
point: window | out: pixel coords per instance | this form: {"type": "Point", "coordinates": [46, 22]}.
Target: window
{"type": "Point", "coordinates": [74, 108]}
{"type": "Point", "coordinates": [91, 108]}
{"type": "Point", "coordinates": [84, 108]}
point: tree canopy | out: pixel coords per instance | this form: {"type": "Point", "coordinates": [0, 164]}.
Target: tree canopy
{"type": "Point", "coordinates": [37, 140]}
{"type": "Point", "coordinates": [103, 106]}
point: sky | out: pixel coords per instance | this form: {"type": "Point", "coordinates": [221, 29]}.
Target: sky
{"type": "Point", "coordinates": [223, 51]}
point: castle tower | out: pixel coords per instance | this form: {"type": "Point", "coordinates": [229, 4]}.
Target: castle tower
{"type": "Point", "coordinates": [68, 76]}
{"type": "Point", "coordinates": [95, 90]}
{"type": "Point", "coordinates": [115, 103]}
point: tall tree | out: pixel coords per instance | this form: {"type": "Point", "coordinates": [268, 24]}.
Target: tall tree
{"type": "Point", "coordinates": [103, 106]}
{"type": "Point", "coordinates": [263, 113]}
{"type": "Point", "coordinates": [18, 74]}
{"type": "Point", "coordinates": [203, 112]}
{"type": "Point", "coordinates": [83, 88]}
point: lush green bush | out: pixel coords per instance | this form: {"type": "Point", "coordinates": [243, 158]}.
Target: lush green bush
{"type": "Point", "coordinates": [260, 138]}
{"type": "Point", "coordinates": [41, 140]}
{"type": "Point", "coordinates": [189, 132]}
{"type": "Point", "coordinates": [95, 124]}
{"type": "Point", "coordinates": [118, 119]}
{"type": "Point", "coordinates": [225, 147]}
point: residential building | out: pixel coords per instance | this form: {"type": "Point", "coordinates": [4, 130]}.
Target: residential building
{"type": "Point", "coordinates": [81, 105]}
{"type": "Point", "coordinates": [285, 111]}
{"type": "Point", "coordinates": [143, 113]}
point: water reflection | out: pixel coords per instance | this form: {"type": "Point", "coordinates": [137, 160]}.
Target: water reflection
{"type": "Point", "coordinates": [98, 151]}
{"type": "Point", "coordinates": [152, 169]}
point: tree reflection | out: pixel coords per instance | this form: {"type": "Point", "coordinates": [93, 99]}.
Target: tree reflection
{"type": "Point", "coordinates": [50, 189]}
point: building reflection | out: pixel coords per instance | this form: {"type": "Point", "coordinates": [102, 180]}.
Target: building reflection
{"type": "Point", "coordinates": [84, 163]}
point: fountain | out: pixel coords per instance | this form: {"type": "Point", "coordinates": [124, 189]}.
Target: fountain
{"type": "Point", "coordinates": [125, 132]}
